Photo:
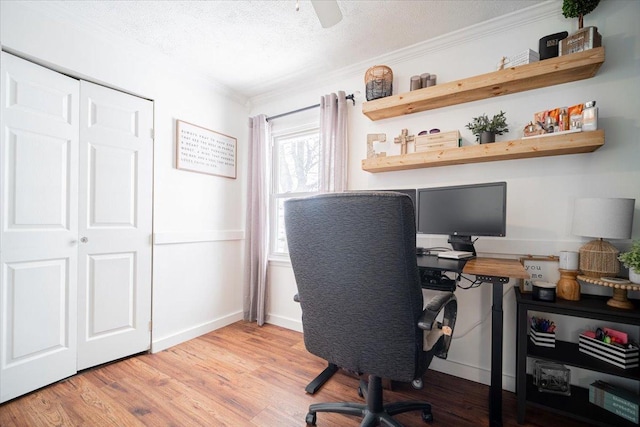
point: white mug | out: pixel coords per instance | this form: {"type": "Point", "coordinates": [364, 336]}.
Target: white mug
{"type": "Point", "coordinates": [568, 260]}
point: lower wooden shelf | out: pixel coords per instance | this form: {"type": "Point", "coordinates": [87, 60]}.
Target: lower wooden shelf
{"type": "Point", "coordinates": [553, 145]}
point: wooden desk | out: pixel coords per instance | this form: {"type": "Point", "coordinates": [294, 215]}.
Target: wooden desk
{"type": "Point", "coordinates": [496, 271]}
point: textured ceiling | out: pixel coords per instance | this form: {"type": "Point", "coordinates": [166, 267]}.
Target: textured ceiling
{"type": "Point", "coordinates": [253, 47]}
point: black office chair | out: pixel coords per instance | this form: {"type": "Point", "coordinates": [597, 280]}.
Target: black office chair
{"type": "Point", "coordinates": [354, 259]}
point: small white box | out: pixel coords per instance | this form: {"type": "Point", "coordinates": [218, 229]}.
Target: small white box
{"type": "Point", "coordinates": [525, 57]}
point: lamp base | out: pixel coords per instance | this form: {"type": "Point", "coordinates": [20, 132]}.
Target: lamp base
{"type": "Point", "coordinates": [568, 287]}
{"type": "Point", "coordinates": [599, 258]}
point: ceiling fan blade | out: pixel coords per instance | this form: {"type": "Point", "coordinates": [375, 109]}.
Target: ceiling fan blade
{"type": "Point", "coordinates": [328, 12]}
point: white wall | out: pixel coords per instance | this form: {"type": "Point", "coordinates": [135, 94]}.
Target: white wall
{"type": "Point", "coordinates": [198, 219]}
{"type": "Point", "coordinates": [541, 191]}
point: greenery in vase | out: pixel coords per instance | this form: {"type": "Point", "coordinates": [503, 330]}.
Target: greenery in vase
{"type": "Point", "coordinates": [497, 125]}
{"type": "Point", "coordinates": [631, 259]}
{"type": "Point", "coordinates": [578, 8]}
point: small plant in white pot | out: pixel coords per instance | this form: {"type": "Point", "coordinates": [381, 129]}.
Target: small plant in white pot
{"type": "Point", "coordinates": [631, 260]}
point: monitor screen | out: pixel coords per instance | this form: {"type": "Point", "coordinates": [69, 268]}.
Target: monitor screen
{"type": "Point", "coordinates": [464, 210]}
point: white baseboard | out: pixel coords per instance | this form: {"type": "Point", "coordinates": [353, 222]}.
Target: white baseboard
{"type": "Point", "coordinates": [191, 333]}
{"type": "Point", "coordinates": [471, 373]}
{"type": "Point", "coordinates": [285, 322]}
{"type": "Point", "coordinates": [450, 367]}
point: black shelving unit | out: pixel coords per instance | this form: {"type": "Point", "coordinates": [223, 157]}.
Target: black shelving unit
{"type": "Point", "coordinates": [577, 405]}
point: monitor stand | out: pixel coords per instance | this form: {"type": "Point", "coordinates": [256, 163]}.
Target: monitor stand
{"type": "Point", "coordinates": [462, 243]}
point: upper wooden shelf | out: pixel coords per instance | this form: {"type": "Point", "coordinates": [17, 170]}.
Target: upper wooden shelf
{"type": "Point", "coordinates": [551, 145]}
{"type": "Point", "coordinates": [554, 71]}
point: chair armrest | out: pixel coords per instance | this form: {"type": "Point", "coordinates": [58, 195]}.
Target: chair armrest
{"type": "Point", "coordinates": [443, 330]}
{"type": "Point", "coordinates": [433, 308]}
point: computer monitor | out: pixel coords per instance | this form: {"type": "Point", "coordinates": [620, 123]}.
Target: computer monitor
{"type": "Point", "coordinates": [463, 211]}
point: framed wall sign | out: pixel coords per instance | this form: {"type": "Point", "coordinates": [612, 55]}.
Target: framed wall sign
{"type": "Point", "coordinates": [543, 268]}
{"type": "Point", "coordinates": [205, 151]}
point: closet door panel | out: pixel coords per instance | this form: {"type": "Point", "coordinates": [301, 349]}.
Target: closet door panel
{"type": "Point", "coordinates": [39, 227]}
{"type": "Point", "coordinates": [116, 151]}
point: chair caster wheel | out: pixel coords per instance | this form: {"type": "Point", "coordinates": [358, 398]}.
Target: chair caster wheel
{"type": "Point", "coordinates": [310, 419]}
{"type": "Point", "coordinates": [417, 384]}
{"type": "Point", "coordinates": [427, 417]}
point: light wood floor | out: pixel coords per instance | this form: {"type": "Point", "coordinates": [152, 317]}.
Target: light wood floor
{"type": "Point", "coordinates": [240, 375]}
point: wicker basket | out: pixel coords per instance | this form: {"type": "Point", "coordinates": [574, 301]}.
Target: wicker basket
{"type": "Point", "coordinates": [379, 82]}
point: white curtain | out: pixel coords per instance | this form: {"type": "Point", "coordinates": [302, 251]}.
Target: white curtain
{"type": "Point", "coordinates": [257, 223]}
{"type": "Point", "coordinates": [333, 139]}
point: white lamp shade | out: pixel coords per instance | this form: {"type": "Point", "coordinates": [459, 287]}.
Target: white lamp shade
{"type": "Point", "coordinates": [606, 218]}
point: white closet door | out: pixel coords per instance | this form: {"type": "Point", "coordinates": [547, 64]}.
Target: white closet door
{"type": "Point", "coordinates": [39, 227]}
{"type": "Point", "coordinates": [115, 205]}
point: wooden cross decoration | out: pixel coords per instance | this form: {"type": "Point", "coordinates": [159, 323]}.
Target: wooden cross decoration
{"type": "Point", "coordinates": [403, 139]}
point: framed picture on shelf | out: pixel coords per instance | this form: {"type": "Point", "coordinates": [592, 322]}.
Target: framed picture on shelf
{"type": "Point", "coordinates": [543, 268]}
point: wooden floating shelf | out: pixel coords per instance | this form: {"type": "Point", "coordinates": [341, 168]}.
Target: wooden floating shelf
{"type": "Point", "coordinates": [552, 145]}
{"type": "Point", "coordinates": [549, 72]}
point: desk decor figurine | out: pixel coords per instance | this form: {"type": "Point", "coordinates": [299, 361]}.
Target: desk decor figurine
{"type": "Point", "coordinates": [376, 143]}
{"type": "Point", "coordinates": [568, 288]}
{"type": "Point", "coordinates": [404, 139]}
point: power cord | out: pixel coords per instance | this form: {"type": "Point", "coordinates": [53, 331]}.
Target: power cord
{"type": "Point", "coordinates": [456, 336]}
{"type": "Point", "coordinates": [474, 283]}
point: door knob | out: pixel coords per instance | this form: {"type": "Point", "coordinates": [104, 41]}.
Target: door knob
{"type": "Point", "coordinates": [84, 239]}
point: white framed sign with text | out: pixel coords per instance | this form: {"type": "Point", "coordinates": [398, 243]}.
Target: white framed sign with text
{"type": "Point", "coordinates": [205, 151]}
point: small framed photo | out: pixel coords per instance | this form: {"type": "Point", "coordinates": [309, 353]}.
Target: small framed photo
{"type": "Point", "coordinates": [544, 268]}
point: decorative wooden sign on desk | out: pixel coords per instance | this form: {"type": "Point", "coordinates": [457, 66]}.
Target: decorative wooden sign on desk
{"type": "Point", "coordinates": [205, 151]}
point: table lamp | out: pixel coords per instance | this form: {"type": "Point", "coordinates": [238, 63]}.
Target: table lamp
{"type": "Point", "coordinates": [602, 218]}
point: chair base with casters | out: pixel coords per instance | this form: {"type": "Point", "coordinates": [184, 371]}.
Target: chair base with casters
{"type": "Point", "coordinates": [322, 378]}
{"type": "Point", "coordinates": [373, 412]}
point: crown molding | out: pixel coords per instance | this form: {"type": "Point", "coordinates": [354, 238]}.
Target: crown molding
{"type": "Point", "coordinates": [293, 83]}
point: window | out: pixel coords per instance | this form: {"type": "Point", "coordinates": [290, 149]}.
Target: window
{"type": "Point", "coordinates": [295, 169]}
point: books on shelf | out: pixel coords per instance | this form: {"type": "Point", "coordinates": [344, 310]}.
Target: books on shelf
{"type": "Point", "coordinates": [614, 399]}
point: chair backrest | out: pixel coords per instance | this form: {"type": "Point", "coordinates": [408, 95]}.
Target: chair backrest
{"type": "Point", "coordinates": [354, 259]}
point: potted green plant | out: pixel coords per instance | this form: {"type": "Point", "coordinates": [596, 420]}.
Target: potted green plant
{"type": "Point", "coordinates": [631, 260]}
{"type": "Point", "coordinates": [578, 8]}
{"type": "Point", "coordinates": [486, 130]}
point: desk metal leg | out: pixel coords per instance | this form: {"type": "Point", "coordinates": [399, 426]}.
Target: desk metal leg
{"type": "Point", "coordinates": [495, 390]}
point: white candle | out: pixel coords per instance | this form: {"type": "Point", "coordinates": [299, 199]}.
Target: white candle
{"type": "Point", "coordinates": [568, 260]}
